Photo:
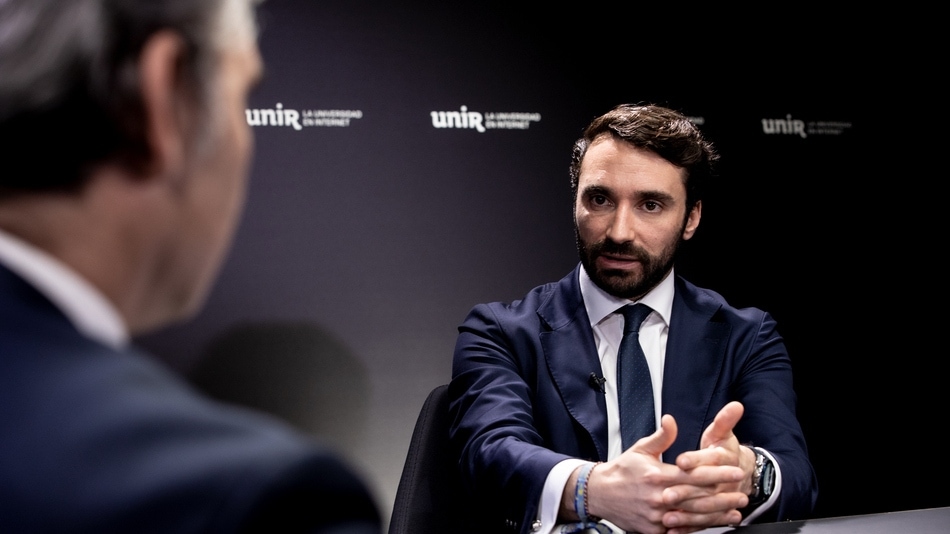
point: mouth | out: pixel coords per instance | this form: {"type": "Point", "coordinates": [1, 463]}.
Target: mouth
{"type": "Point", "coordinates": [617, 261]}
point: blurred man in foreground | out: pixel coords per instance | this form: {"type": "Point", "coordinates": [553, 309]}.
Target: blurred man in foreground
{"type": "Point", "coordinates": [126, 151]}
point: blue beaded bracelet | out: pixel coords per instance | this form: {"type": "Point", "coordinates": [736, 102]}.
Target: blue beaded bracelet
{"type": "Point", "coordinates": [587, 522]}
{"type": "Point", "coordinates": [580, 495]}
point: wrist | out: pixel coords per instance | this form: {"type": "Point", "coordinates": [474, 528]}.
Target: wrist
{"type": "Point", "coordinates": [747, 461]}
{"type": "Point", "coordinates": [763, 479]}
{"type": "Point", "coordinates": [598, 482]}
{"type": "Point", "coordinates": [566, 512]}
{"type": "Point", "coordinates": [582, 494]}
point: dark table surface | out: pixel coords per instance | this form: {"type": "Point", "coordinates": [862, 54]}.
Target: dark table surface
{"type": "Point", "coordinates": [926, 521]}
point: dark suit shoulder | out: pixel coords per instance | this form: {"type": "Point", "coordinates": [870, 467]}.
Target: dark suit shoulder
{"type": "Point", "coordinates": [713, 305]}
{"type": "Point", "coordinates": [101, 440]}
{"type": "Point", "coordinates": [550, 304]}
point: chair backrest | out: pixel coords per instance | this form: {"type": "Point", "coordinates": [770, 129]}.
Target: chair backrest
{"type": "Point", "coordinates": [295, 370]}
{"type": "Point", "coordinates": [430, 498]}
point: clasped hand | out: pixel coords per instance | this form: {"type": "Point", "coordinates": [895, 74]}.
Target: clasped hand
{"type": "Point", "coordinates": [703, 488]}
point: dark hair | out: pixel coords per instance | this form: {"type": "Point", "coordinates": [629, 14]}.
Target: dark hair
{"type": "Point", "coordinates": [663, 131]}
{"type": "Point", "coordinates": [69, 92]}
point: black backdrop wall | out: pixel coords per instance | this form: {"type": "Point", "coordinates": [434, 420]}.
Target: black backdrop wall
{"type": "Point", "coordinates": [412, 161]}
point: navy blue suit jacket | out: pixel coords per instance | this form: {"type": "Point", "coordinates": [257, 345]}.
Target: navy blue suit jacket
{"type": "Point", "coordinates": [521, 400]}
{"type": "Point", "coordinates": [98, 440]}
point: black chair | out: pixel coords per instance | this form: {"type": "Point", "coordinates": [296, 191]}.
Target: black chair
{"type": "Point", "coordinates": [430, 498]}
{"type": "Point", "coordinates": [295, 370]}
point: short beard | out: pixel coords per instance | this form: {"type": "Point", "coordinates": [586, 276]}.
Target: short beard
{"type": "Point", "coordinates": [619, 283]}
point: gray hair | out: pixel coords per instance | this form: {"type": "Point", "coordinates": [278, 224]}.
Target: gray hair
{"type": "Point", "coordinates": [69, 86]}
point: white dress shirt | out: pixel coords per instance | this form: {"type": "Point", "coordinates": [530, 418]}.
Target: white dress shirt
{"type": "Point", "coordinates": [607, 326]}
{"type": "Point", "coordinates": [84, 305]}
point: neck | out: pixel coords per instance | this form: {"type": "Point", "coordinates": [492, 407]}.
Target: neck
{"type": "Point", "coordinates": [107, 233]}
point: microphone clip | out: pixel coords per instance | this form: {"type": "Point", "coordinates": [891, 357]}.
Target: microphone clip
{"type": "Point", "coordinates": [597, 382]}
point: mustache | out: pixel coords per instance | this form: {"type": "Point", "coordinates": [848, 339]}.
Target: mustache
{"type": "Point", "coordinates": [627, 248]}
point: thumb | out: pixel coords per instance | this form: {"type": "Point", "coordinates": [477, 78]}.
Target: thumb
{"type": "Point", "coordinates": [721, 427]}
{"type": "Point", "coordinates": [656, 443]}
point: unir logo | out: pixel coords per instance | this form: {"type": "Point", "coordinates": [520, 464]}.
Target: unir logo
{"type": "Point", "coordinates": [458, 119]}
{"type": "Point", "coordinates": [274, 117]}
{"type": "Point", "coordinates": [788, 125]}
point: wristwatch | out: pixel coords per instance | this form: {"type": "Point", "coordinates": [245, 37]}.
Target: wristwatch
{"type": "Point", "coordinates": [763, 479]}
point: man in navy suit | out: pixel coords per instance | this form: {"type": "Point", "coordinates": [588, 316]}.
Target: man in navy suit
{"type": "Point", "coordinates": [126, 148]}
{"type": "Point", "coordinates": [534, 394]}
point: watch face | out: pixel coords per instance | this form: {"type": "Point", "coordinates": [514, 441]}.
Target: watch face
{"type": "Point", "coordinates": [768, 478]}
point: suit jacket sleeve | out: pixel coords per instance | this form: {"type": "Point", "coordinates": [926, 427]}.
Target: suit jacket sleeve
{"type": "Point", "coordinates": [504, 461]}
{"type": "Point", "coordinates": [770, 420]}
{"type": "Point", "coordinates": [716, 354]}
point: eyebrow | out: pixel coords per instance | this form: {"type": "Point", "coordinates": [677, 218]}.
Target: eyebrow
{"type": "Point", "coordinates": [596, 190]}
{"type": "Point", "coordinates": [651, 194]}
{"type": "Point", "coordinates": [657, 195]}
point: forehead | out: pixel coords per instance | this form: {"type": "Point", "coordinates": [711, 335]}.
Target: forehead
{"type": "Point", "coordinates": [617, 165]}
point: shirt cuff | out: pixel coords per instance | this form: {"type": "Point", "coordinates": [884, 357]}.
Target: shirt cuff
{"type": "Point", "coordinates": [775, 490]}
{"type": "Point", "coordinates": [553, 492]}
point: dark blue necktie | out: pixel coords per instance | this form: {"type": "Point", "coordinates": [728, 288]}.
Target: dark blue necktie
{"type": "Point", "coordinates": [634, 387]}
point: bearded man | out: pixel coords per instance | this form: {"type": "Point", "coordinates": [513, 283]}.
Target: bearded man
{"type": "Point", "coordinates": [564, 422]}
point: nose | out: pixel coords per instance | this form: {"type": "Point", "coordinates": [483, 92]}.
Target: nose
{"type": "Point", "coordinates": [622, 225]}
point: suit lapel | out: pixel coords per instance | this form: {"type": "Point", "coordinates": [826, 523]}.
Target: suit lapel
{"type": "Point", "coordinates": [571, 357]}
{"type": "Point", "coordinates": [695, 354]}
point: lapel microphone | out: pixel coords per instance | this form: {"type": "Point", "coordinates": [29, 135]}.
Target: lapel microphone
{"type": "Point", "coordinates": [597, 382]}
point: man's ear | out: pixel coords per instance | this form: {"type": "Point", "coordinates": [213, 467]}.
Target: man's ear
{"type": "Point", "coordinates": [159, 72]}
{"type": "Point", "coordinates": [692, 221]}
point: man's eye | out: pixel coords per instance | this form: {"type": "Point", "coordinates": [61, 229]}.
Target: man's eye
{"type": "Point", "coordinates": [598, 200]}
{"type": "Point", "coordinates": [651, 205]}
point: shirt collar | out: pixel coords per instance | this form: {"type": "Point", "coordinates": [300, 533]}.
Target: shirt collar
{"type": "Point", "coordinates": [84, 305]}
{"type": "Point", "coordinates": [601, 304]}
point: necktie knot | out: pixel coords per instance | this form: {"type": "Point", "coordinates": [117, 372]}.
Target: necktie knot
{"type": "Point", "coordinates": [633, 316]}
